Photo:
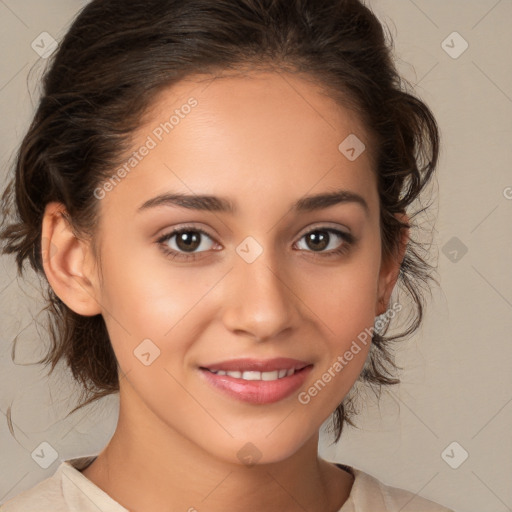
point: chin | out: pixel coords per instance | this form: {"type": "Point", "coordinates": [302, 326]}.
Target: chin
{"type": "Point", "coordinates": [258, 449]}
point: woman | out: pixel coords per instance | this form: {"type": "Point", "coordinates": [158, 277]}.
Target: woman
{"type": "Point", "coordinates": [216, 193]}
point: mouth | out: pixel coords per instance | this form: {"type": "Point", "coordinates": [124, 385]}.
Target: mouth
{"type": "Point", "coordinates": [257, 381]}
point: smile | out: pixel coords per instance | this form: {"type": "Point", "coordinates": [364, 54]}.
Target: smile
{"type": "Point", "coordinates": [256, 381]}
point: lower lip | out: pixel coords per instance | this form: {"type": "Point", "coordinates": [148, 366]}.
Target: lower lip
{"type": "Point", "coordinates": [258, 391]}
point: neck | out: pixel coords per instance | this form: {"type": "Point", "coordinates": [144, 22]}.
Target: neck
{"type": "Point", "coordinates": [146, 454]}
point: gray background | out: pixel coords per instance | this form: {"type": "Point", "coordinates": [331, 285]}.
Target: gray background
{"type": "Point", "coordinates": [457, 378]}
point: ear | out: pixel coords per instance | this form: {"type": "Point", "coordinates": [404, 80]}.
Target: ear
{"type": "Point", "coordinates": [390, 270]}
{"type": "Point", "coordinates": [68, 263]}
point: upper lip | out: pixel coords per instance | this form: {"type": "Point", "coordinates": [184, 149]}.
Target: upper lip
{"type": "Point", "coordinates": [258, 365]}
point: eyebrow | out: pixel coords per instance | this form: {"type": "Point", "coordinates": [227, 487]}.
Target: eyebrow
{"type": "Point", "coordinates": [222, 204]}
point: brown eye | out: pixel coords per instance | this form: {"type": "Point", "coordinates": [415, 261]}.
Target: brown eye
{"type": "Point", "coordinates": [183, 243]}
{"type": "Point", "coordinates": [320, 239]}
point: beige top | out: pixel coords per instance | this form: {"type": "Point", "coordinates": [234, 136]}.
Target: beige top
{"type": "Point", "coordinates": [68, 490]}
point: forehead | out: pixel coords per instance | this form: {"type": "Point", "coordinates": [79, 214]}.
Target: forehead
{"type": "Point", "coordinates": [257, 135]}
{"type": "Point", "coordinates": [255, 99]}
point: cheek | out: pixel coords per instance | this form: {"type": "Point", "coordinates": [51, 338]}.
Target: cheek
{"type": "Point", "coordinates": [138, 288]}
{"type": "Point", "coordinates": [144, 297]}
{"type": "Point", "coordinates": [344, 302]}
{"type": "Point", "coordinates": [344, 296]}
{"type": "Point", "coordinates": [346, 324]}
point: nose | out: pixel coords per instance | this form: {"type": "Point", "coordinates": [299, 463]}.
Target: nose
{"type": "Point", "coordinates": [258, 298]}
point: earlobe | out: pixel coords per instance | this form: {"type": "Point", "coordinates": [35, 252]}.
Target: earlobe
{"type": "Point", "coordinates": [389, 272]}
{"type": "Point", "coordinates": [65, 262]}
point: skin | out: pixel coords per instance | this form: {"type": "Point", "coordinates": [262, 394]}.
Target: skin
{"type": "Point", "coordinates": [263, 140]}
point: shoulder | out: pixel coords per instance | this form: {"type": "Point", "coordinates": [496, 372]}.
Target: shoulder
{"type": "Point", "coordinates": [67, 489]}
{"type": "Point", "coordinates": [45, 495]}
{"type": "Point", "coordinates": [370, 494]}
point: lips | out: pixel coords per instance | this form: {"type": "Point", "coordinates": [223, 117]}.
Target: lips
{"type": "Point", "coordinates": [257, 381]}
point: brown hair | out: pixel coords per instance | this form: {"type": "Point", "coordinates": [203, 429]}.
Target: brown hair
{"type": "Point", "coordinates": [105, 75]}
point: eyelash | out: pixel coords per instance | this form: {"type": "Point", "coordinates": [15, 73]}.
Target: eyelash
{"type": "Point", "coordinates": [348, 238]}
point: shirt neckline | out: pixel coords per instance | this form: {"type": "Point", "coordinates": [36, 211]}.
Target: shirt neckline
{"type": "Point", "coordinates": [78, 464]}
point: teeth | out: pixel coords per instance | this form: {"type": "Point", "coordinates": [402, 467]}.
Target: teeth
{"type": "Point", "coordinates": [250, 375]}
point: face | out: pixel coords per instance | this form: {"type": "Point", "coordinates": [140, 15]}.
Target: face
{"type": "Point", "coordinates": [260, 273]}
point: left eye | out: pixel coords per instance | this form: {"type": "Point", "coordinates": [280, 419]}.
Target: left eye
{"type": "Point", "coordinates": [322, 238]}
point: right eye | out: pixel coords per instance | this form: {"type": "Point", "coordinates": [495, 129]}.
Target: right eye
{"type": "Point", "coordinates": [188, 240]}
